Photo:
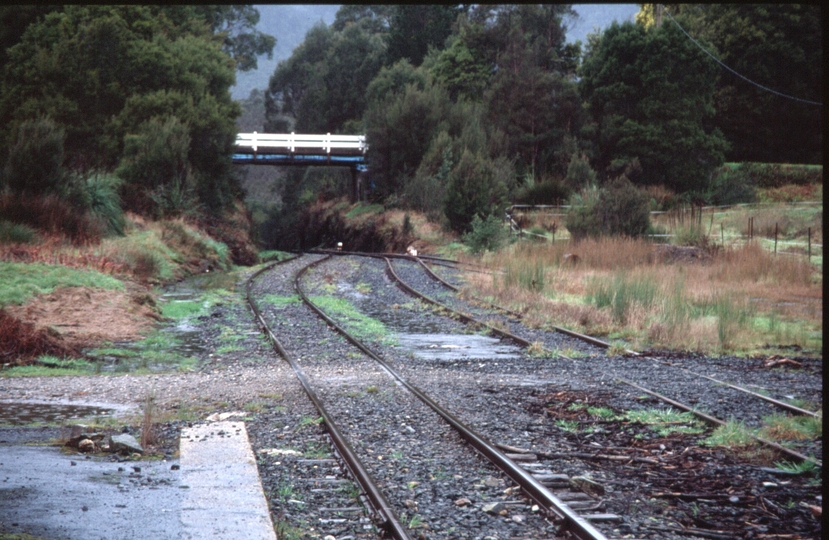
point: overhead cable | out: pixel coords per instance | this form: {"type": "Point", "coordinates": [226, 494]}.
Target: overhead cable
{"type": "Point", "coordinates": [737, 74]}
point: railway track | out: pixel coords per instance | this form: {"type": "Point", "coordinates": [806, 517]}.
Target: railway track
{"type": "Point", "coordinates": [660, 371]}
{"type": "Point", "coordinates": [474, 385]}
{"type": "Point", "coordinates": [391, 400]}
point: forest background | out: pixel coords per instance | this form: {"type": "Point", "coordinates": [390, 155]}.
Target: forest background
{"type": "Point", "coordinates": [466, 109]}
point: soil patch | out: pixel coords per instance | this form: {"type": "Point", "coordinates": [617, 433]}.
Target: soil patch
{"type": "Point", "coordinates": [85, 317]}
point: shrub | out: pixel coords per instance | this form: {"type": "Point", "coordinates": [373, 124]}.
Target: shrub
{"type": "Point", "coordinates": [98, 194]}
{"type": "Point", "coordinates": [486, 234]}
{"type": "Point", "coordinates": [547, 191]}
{"type": "Point", "coordinates": [16, 233]}
{"type": "Point", "coordinates": [581, 220]}
{"type": "Point", "coordinates": [775, 175]}
{"type": "Point", "coordinates": [731, 186]}
{"type": "Point", "coordinates": [50, 214]}
{"type": "Point", "coordinates": [24, 342]}
{"type": "Point", "coordinates": [475, 189]}
{"type": "Point", "coordinates": [618, 209]}
{"type": "Point", "coordinates": [579, 173]}
{"type": "Point", "coordinates": [35, 160]}
{"type": "Point", "coordinates": [155, 163]}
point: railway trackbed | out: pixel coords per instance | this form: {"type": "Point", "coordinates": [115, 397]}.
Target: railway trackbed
{"type": "Point", "coordinates": [586, 438]}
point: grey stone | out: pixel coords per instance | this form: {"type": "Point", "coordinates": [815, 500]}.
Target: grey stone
{"type": "Point", "coordinates": [124, 443]}
{"type": "Point", "coordinates": [496, 508]}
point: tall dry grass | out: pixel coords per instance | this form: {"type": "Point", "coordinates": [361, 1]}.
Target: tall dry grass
{"type": "Point", "coordinates": [621, 288]}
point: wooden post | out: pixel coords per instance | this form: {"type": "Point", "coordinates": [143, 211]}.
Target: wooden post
{"type": "Point", "coordinates": [775, 238]}
{"type": "Point", "coordinates": [810, 244]}
{"type": "Point", "coordinates": [722, 235]}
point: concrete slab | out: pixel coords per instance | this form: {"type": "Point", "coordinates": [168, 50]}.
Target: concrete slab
{"type": "Point", "coordinates": [223, 497]}
{"type": "Point", "coordinates": [48, 494]}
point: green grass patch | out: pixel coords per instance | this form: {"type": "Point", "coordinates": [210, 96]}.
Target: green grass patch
{"type": "Point", "coordinates": [621, 292]}
{"type": "Point", "coordinates": [50, 366]}
{"type": "Point", "coordinates": [16, 233]}
{"type": "Point", "coordinates": [23, 281]}
{"type": "Point", "coordinates": [280, 302]}
{"type": "Point", "coordinates": [569, 426]}
{"type": "Point", "coordinates": [666, 421]}
{"type": "Point", "coordinates": [361, 326]}
{"type": "Point", "coordinates": [158, 352]}
{"type": "Point", "coordinates": [273, 255]}
{"type": "Point", "coordinates": [363, 209]}
{"type": "Point", "coordinates": [603, 413]}
{"type": "Point", "coordinates": [785, 427]}
{"type": "Point", "coordinates": [732, 434]}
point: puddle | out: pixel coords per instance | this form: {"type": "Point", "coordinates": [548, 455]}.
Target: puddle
{"type": "Point", "coordinates": [423, 336]}
{"type": "Point", "coordinates": [27, 412]}
{"type": "Point", "coordinates": [451, 347]}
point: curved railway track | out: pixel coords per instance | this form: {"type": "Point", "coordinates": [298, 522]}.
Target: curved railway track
{"type": "Point", "coordinates": [387, 513]}
{"type": "Point", "coordinates": [715, 383]}
{"type": "Point", "coordinates": [566, 519]}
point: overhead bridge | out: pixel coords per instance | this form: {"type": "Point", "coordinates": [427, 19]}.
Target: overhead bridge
{"type": "Point", "coordinates": [302, 150]}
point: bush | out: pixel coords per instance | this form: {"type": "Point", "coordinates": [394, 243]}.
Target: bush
{"type": "Point", "coordinates": [579, 173]}
{"type": "Point", "coordinates": [731, 186]}
{"type": "Point", "coordinates": [475, 189]}
{"type": "Point", "coordinates": [775, 175]}
{"type": "Point", "coordinates": [623, 209]}
{"type": "Point", "coordinates": [98, 194]}
{"type": "Point", "coordinates": [618, 209]}
{"type": "Point", "coordinates": [49, 214]}
{"type": "Point", "coordinates": [16, 233]}
{"type": "Point", "coordinates": [155, 168]}
{"type": "Point", "coordinates": [35, 161]}
{"type": "Point", "coordinates": [486, 234]}
{"type": "Point", "coordinates": [547, 191]}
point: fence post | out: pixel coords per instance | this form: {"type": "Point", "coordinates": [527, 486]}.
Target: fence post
{"type": "Point", "coordinates": [810, 244]}
{"type": "Point", "coordinates": [775, 238]}
{"type": "Point", "coordinates": [722, 235]}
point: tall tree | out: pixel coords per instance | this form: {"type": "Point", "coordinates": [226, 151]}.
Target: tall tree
{"type": "Point", "coordinates": [415, 28]}
{"type": "Point", "coordinates": [101, 72]}
{"type": "Point", "coordinates": [322, 85]}
{"type": "Point", "coordinates": [649, 93]}
{"type": "Point", "coordinates": [776, 46]}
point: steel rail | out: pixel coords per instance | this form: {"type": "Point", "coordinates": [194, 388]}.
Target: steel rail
{"type": "Point", "coordinates": [381, 506]}
{"type": "Point", "coordinates": [794, 454]}
{"type": "Point", "coordinates": [708, 418]}
{"type": "Point", "coordinates": [571, 521]}
{"type": "Point", "coordinates": [783, 405]}
{"type": "Point", "coordinates": [559, 329]}
{"type": "Point", "coordinates": [714, 420]}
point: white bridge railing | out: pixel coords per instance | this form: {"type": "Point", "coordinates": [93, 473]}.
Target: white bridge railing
{"type": "Point", "coordinates": [294, 143]}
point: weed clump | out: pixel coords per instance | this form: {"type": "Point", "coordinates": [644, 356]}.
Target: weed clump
{"type": "Point", "coordinates": [22, 342]}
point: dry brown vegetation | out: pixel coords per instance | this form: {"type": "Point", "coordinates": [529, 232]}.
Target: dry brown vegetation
{"type": "Point", "coordinates": [735, 299]}
{"type": "Point", "coordinates": [20, 341]}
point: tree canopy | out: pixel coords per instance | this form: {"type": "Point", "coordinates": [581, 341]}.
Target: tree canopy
{"type": "Point", "coordinates": [649, 93]}
{"type": "Point", "coordinates": [767, 102]}
{"type": "Point", "coordinates": [105, 73]}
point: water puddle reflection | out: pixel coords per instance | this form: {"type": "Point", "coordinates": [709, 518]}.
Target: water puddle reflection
{"type": "Point", "coordinates": [41, 412]}
{"type": "Point", "coordinates": [451, 347]}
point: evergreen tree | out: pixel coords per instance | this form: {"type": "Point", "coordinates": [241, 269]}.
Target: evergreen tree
{"type": "Point", "coordinates": [649, 94]}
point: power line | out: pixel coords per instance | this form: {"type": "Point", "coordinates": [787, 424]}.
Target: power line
{"type": "Point", "coordinates": [734, 72]}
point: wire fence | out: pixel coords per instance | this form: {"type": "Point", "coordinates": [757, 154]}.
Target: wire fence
{"type": "Point", "coordinates": [718, 224]}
